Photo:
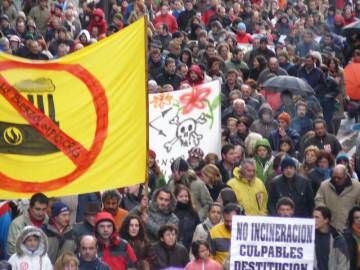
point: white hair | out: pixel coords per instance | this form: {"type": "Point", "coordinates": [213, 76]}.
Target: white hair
{"type": "Point", "coordinates": [239, 101]}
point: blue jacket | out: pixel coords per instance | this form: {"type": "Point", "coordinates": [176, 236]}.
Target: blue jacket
{"type": "Point", "coordinates": [301, 125]}
{"type": "Point", "coordinates": [5, 220]}
{"type": "Point", "coordinates": [275, 138]}
{"type": "Point", "coordinates": [315, 78]}
{"type": "Point", "coordinates": [302, 49]}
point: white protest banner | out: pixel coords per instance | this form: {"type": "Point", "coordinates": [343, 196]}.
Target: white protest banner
{"type": "Point", "coordinates": [259, 243]}
{"type": "Point", "coordinates": [183, 119]}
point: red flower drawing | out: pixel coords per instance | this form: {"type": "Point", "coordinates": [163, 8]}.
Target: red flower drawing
{"type": "Point", "coordinates": [195, 99]}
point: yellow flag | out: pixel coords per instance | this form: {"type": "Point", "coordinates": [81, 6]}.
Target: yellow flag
{"type": "Point", "coordinates": [76, 124]}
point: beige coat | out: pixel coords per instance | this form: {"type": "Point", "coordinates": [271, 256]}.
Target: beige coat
{"type": "Point", "coordinates": [339, 205]}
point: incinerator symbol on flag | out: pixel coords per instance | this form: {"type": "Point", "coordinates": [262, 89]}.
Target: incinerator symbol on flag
{"type": "Point", "coordinates": [23, 139]}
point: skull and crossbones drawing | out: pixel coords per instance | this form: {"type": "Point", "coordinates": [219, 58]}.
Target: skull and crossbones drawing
{"type": "Point", "coordinates": [186, 132]}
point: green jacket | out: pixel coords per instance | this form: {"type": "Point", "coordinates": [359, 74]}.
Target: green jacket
{"type": "Point", "coordinates": [263, 170]}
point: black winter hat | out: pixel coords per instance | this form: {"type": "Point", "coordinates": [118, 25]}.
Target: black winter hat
{"type": "Point", "coordinates": [287, 162]}
{"type": "Point", "coordinates": [179, 165]}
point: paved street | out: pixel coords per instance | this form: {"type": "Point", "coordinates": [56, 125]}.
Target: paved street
{"type": "Point", "coordinates": [347, 137]}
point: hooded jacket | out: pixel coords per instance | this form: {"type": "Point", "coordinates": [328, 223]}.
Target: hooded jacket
{"type": "Point", "coordinates": [197, 70]}
{"type": "Point", "coordinates": [159, 217]}
{"type": "Point", "coordinates": [252, 195]}
{"type": "Point", "coordinates": [264, 168]}
{"type": "Point", "coordinates": [101, 23]}
{"type": "Point", "coordinates": [262, 127]}
{"type": "Point", "coordinates": [35, 260]}
{"type": "Point", "coordinates": [118, 254]}
{"type": "Point", "coordinates": [87, 35]}
{"type": "Point", "coordinates": [16, 226]}
{"type": "Point", "coordinates": [199, 192]}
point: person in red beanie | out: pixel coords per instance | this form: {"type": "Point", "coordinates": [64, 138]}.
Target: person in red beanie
{"type": "Point", "coordinates": [282, 131]}
{"type": "Point", "coordinates": [98, 20]}
{"type": "Point", "coordinates": [114, 251]}
{"type": "Point", "coordinates": [195, 75]}
{"type": "Point", "coordinates": [155, 176]}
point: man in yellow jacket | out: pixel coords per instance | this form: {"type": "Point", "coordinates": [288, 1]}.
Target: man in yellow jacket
{"type": "Point", "coordinates": [250, 191]}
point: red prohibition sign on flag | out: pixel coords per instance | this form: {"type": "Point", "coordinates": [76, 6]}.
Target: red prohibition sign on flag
{"type": "Point", "coordinates": [78, 154]}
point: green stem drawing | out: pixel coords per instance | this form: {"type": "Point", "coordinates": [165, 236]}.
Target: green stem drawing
{"type": "Point", "coordinates": [211, 116]}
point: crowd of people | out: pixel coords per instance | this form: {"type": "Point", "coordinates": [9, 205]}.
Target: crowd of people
{"type": "Point", "coordinates": [280, 154]}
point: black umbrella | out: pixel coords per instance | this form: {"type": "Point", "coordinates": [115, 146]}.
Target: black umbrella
{"type": "Point", "coordinates": [352, 28]}
{"type": "Point", "coordinates": [292, 84]}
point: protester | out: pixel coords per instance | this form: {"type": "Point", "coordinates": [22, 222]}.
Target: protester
{"type": "Point", "coordinates": [181, 174]}
{"type": "Point", "coordinates": [167, 252]}
{"type": "Point", "coordinates": [188, 217]}
{"type": "Point", "coordinates": [330, 245]}
{"type": "Point", "coordinates": [31, 250]}
{"type": "Point", "coordinates": [227, 163]}
{"type": "Point", "coordinates": [210, 174]}
{"type": "Point", "coordinates": [134, 232]}
{"type": "Point", "coordinates": [113, 250]}
{"type": "Point", "coordinates": [285, 207]}
{"type": "Point", "coordinates": [220, 234]}
{"type": "Point", "coordinates": [323, 140]}
{"type": "Point", "coordinates": [213, 218]}
{"type": "Point", "coordinates": [264, 159]}
{"type": "Point", "coordinates": [111, 203]}
{"type": "Point", "coordinates": [283, 130]}
{"type": "Point", "coordinates": [266, 122]}
{"type": "Point", "coordinates": [344, 159]}
{"type": "Point", "coordinates": [310, 159]}
{"type": "Point", "coordinates": [241, 44]}
{"type": "Point", "coordinates": [294, 186]}
{"type": "Point", "coordinates": [88, 259]}
{"type": "Point", "coordinates": [59, 232]}
{"type": "Point", "coordinates": [250, 190]}
{"type": "Point", "coordinates": [5, 221]}
{"type": "Point", "coordinates": [156, 177]}
{"type": "Point", "coordinates": [201, 251]}
{"type": "Point", "coordinates": [35, 216]}
{"type": "Point", "coordinates": [160, 211]}
{"type": "Point", "coordinates": [322, 170]}
{"type": "Point", "coordinates": [67, 260]}
{"type": "Point", "coordinates": [339, 193]}
{"type": "Point", "coordinates": [86, 227]}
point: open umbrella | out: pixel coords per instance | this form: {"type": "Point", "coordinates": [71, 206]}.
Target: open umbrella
{"type": "Point", "coordinates": [294, 85]}
{"type": "Point", "coordinates": [352, 28]}
{"type": "Point", "coordinates": [352, 80]}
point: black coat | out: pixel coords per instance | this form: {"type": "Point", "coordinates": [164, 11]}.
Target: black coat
{"type": "Point", "coordinates": [164, 256]}
{"type": "Point", "coordinates": [215, 190]}
{"type": "Point", "coordinates": [83, 228]}
{"type": "Point", "coordinates": [225, 176]}
{"type": "Point", "coordinates": [328, 140]}
{"type": "Point", "coordinates": [298, 189]}
{"type": "Point", "coordinates": [184, 19]}
{"type": "Point", "coordinates": [188, 220]}
{"type": "Point", "coordinates": [96, 264]}
{"type": "Point", "coordinates": [316, 177]}
{"type": "Point", "coordinates": [352, 248]}
{"type": "Point", "coordinates": [165, 78]}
